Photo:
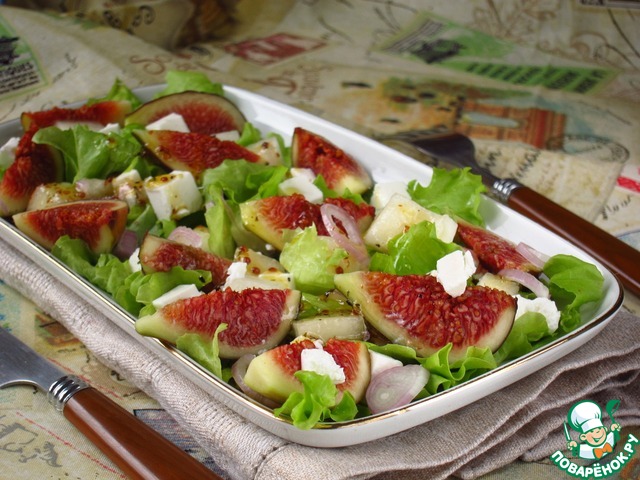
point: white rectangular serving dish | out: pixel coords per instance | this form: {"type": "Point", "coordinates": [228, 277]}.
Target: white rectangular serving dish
{"type": "Point", "coordinates": [384, 164]}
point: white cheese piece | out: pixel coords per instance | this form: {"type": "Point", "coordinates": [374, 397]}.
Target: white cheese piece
{"type": "Point", "coordinates": [132, 176]}
{"type": "Point", "coordinates": [180, 292]}
{"type": "Point", "coordinates": [110, 128]}
{"type": "Point", "coordinates": [545, 306]}
{"type": "Point", "coordinates": [268, 150]}
{"type": "Point", "coordinates": [174, 195]}
{"type": "Point", "coordinates": [302, 186]}
{"type": "Point", "coordinates": [381, 362]}
{"type": "Point", "coordinates": [302, 172]}
{"type": "Point", "coordinates": [134, 261]}
{"type": "Point", "coordinates": [382, 193]}
{"type": "Point", "coordinates": [229, 135]}
{"type": "Point", "coordinates": [321, 362]}
{"type": "Point", "coordinates": [173, 121]}
{"type": "Point", "coordinates": [453, 271]}
{"type": "Point", "coordinates": [236, 271]}
{"type": "Point", "coordinates": [8, 152]}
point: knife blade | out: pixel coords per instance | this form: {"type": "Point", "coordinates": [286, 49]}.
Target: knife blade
{"type": "Point", "coordinates": [138, 450]}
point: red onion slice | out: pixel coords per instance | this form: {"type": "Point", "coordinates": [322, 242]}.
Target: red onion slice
{"type": "Point", "coordinates": [186, 236]}
{"type": "Point", "coordinates": [526, 280]}
{"type": "Point", "coordinates": [532, 255]}
{"type": "Point", "coordinates": [351, 242]}
{"type": "Point", "coordinates": [395, 387]}
{"type": "Point", "coordinates": [126, 245]}
{"type": "Point", "coordinates": [238, 371]}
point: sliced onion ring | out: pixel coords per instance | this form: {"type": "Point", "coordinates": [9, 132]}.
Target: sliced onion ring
{"type": "Point", "coordinates": [352, 242]}
{"type": "Point", "coordinates": [186, 236]}
{"type": "Point", "coordinates": [532, 255]}
{"type": "Point", "coordinates": [395, 387]}
{"type": "Point", "coordinates": [526, 280]}
{"type": "Point", "coordinates": [238, 370]}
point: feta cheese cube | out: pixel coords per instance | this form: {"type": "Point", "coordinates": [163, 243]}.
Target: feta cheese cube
{"type": "Point", "coordinates": [302, 186]}
{"type": "Point", "coordinates": [174, 195]}
{"type": "Point", "coordinates": [382, 193]}
{"type": "Point", "coordinates": [229, 135]}
{"type": "Point", "coordinates": [321, 362]}
{"type": "Point", "coordinates": [542, 305]}
{"type": "Point", "coordinates": [173, 121]}
{"type": "Point", "coordinates": [453, 271]}
{"type": "Point", "coordinates": [268, 150]}
{"type": "Point", "coordinates": [134, 261]}
{"type": "Point", "coordinates": [381, 362]}
{"type": "Point", "coordinates": [110, 128]}
{"type": "Point", "coordinates": [180, 292]}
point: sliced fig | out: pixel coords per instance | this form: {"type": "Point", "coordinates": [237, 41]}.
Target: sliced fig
{"type": "Point", "coordinates": [161, 255]}
{"type": "Point", "coordinates": [339, 169]}
{"type": "Point", "coordinates": [111, 111]}
{"type": "Point", "coordinates": [257, 263]}
{"type": "Point", "coordinates": [33, 165]}
{"type": "Point", "coordinates": [494, 252]}
{"type": "Point", "coordinates": [271, 374]}
{"type": "Point", "coordinates": [271, 217]}
{"type": "Point", "coordinates": [99, 223]}
{"type": "Point", "coordinates": [414, 310]}
{"type": "Point", "coordinates": [202, 112]}
{"type": "Point", "coordinates": [256, 319]}
{"type": "Point", "coordinates": [194, 152]}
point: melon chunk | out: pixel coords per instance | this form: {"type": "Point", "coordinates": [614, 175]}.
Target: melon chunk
{"type": "Point", "coordinates": [398, 215]}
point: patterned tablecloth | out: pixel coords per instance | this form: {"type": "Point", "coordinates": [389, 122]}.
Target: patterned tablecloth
{"type": "Point", "coordinates": [549, 90]}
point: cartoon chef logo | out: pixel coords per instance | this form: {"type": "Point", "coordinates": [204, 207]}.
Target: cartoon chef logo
{"type": "Point", "coordinates": [596, 440]}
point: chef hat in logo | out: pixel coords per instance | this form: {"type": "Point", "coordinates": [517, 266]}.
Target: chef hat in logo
{"type": "Point", "coordinates": [585, 416]}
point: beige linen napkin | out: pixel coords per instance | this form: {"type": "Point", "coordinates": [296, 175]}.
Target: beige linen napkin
{"type": "Point", "coordinates": [523, 420]}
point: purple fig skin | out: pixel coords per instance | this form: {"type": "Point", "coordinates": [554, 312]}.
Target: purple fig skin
{"type": "Point", "coordinates": [205, 113]}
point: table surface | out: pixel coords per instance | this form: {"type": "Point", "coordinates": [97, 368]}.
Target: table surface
{"type": "Point", "coordinates": [313, 58]}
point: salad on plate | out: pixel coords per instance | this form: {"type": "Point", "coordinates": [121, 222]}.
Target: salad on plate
{"type": "Point", "coordinates": [276, 262]}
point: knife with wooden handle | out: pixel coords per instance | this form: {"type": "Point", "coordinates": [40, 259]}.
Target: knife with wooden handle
{"type": "Point", "coordinates": [138, 450]}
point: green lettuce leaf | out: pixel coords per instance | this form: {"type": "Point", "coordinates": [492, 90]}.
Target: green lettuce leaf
{"type": "Point", "coordinates": [452, 192]}
{"type": "Point", "coordinates": [313, 261]}
{"type": "Point", "coordinates": [147, 288]}
{"type": "Point", "coordinates": [525, 336]}
{"type": "Point", "coordinates": [241, 180]}
{"type": "Point", "coordinates": [415, 251]}
{"type": "Point", "coordinates": [181, 81]}
{"type": "Point", "coordinates": [572, 284]}
{"type": "Point", "coordinates": [205, 352]}
{"type": "Point", "coordinates": [118, 91]}
{"type": "Point", "coordinates": [317, 305]}
{"type": "Point", "coordinates": [249, 135]}
{"type": "Point", "coordinates": [218, 220]}
{"type": "Point", "coordinates": [90, 154]}
{"type": "Point", "coordinates": [317, 403]}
